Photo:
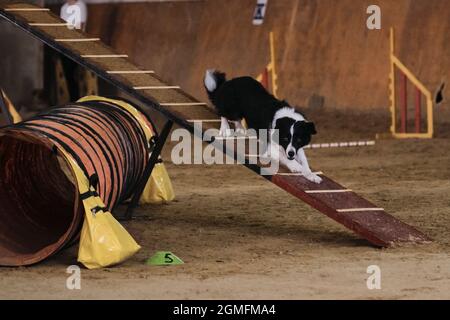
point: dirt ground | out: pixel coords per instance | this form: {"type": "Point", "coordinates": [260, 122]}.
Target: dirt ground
{"type": "Point", "coordinates": [243, 238]}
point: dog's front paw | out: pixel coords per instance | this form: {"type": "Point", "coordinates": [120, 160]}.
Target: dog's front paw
{"type": "Point", "coordinates": [313, 178]}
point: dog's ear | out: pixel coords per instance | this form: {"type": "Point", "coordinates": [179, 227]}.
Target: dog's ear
{"type": "Point", "coordinates": [310, 127]}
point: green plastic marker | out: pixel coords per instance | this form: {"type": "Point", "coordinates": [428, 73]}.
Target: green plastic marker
{"type": "Point", "coordinates": [164, 258]}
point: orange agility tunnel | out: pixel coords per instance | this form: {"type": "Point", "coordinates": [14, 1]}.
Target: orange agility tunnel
{"type": "Point", "coordinates": [103, 143]}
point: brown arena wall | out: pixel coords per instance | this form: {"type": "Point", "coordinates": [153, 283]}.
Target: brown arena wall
{"type": "Point", "coordinates": [323, 47]}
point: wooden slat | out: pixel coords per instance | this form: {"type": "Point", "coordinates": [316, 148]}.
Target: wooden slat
{"type": "Point", "coordinates": [130, 71]}
{"type": "Point", "coordinates": [26, 9]}
{"type": "Point", "coordinates": [155, 87]}
{"type": "Point", "coordinates": [78, 40]}
{"type": "Point", "coordinates": [236, 137]}
{"type": "Point", "coordinates": [49, 24]}
{"type": "Point", "coordinates": [181, 104]}
{"type": "Point", "coordinates": [104, 56]}
{"type": "Point", "coordinates": [204, 120]}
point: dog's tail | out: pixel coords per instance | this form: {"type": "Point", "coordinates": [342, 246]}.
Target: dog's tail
{"type": "Point", "coordinates": [213, 80]}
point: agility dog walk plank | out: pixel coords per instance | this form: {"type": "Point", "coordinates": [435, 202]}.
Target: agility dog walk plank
{"type": "Point", "coordinates": [351, 210]}
{"type": "Point", "coordinates": [332, 199]}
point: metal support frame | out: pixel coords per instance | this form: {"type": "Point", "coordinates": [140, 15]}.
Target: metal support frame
{"type": "Point", "coordinates": [154, 159]}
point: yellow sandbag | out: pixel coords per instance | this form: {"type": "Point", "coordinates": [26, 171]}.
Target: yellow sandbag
{"type": "Point", "coordinates": [103, 241]}
{"type": "Point", "coordinates": [12, 110]}
{"type": "Point", "coordinates": [159, 187]}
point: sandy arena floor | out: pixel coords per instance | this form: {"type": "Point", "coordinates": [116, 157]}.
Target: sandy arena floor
{"type": "Point", "coordinates": [243, 238]}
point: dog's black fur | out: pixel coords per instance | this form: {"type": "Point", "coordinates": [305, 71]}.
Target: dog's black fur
{"type": "Point", "coordinates": [244, 97]}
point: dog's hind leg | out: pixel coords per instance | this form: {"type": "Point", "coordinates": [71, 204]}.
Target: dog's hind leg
{"type": "Point", "coordinates": [239, 127]}
{"type": "Point", "coordinates": [225, 130]}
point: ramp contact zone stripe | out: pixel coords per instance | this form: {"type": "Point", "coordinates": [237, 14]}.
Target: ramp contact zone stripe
{"type": "Point", "coordinates": [359, 209]}
{"type": "Point", "coordinates": [329, 191]}
{"type": "Point", "coordinates": [297, 173]}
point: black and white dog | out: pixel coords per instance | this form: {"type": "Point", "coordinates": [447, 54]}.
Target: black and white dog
{"type": "Point", "coordinates": [245, 98]}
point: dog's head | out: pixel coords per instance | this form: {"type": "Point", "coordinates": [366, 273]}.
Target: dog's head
{"type": "Point", "coordinates": [293, 134]}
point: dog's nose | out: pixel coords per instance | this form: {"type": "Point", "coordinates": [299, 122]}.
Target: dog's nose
{"type": "Point", "coordinates": [291, 154]}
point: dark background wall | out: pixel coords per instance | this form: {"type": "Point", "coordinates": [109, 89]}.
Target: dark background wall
{"type": "Point", "coordinates": [21, 64]}
{"type": "Point", "coordinates": [323, 46]}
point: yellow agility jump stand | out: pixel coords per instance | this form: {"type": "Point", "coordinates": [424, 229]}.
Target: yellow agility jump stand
{"type": "Point", "coordinates": [270, 67]}
{"type": "Point", "coordinates": [421, 90]}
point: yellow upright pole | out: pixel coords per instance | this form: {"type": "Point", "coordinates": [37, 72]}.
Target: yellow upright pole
{"type": "Point", "coordinates": [272, 63]}
{"type": "Point", "coordinates": [392, 82]}
{"type": "Point", "coordinates": [430, 116]}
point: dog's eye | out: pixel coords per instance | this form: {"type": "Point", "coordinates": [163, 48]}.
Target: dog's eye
{"type": "Point", "coordinates": [285, 139]}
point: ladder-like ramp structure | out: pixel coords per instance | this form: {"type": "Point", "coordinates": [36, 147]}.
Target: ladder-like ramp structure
{"type": "Point", "coordinates": [330, 198]}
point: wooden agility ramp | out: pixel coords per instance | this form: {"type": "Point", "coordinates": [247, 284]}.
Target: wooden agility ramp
{"type": "Point", "coordinates": [337, 202]}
